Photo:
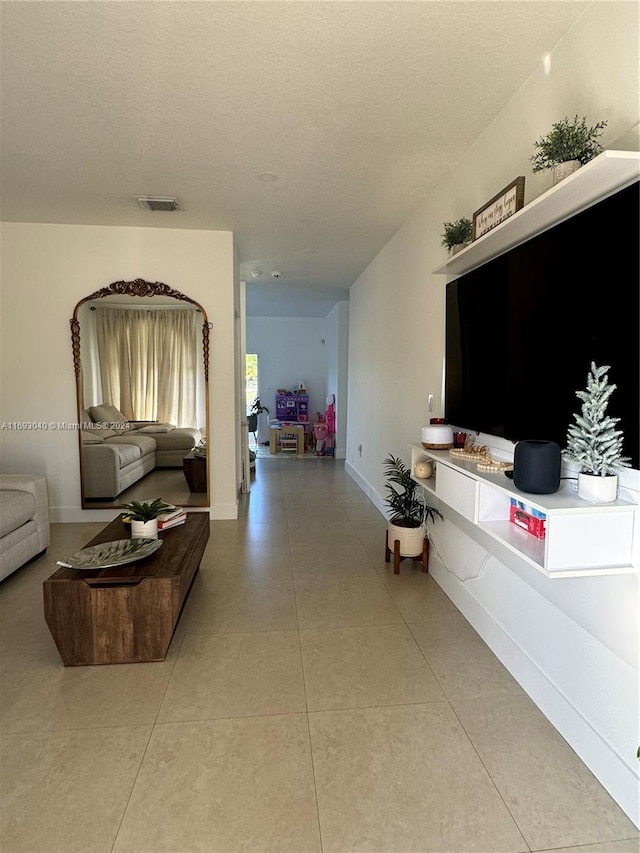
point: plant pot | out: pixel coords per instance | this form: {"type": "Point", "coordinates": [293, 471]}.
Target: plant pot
{"type": "Point", "coordinates": [562, 170]}
{"type": "Point", "coordinates": [592, 487]}
{"type": "Point", "coordinates": [410, 538]}
{"type": "Point", "coordinates": [144, 529]}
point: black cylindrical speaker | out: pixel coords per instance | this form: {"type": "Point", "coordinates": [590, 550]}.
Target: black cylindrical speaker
{"type": "Point", "coordinates": [536, 467]}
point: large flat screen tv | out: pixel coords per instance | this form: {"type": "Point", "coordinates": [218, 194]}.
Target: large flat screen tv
{"type": "Point", "coordinates": [523, 329]}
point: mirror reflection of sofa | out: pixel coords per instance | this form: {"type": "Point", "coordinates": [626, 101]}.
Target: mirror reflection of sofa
{"type": "Point", "coordinates": [116, 452]}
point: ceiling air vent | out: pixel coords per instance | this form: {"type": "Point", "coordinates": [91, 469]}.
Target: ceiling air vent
{"type": "Point", "coordinates": [149, 202]}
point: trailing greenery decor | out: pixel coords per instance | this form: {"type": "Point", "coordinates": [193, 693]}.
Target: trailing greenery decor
{"type": "Point", "coordinates": [146, 510]}
{"type": "Point", "coordinates": [458, 232]}
{"type": "Point", "coordinates": [567, 140]}
{"type": "Point", "coordinates": [408, 508]}
{"type": "Point", "coordinates": [593, 442]}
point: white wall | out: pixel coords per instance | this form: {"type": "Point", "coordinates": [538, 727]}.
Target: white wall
{"type": "Point", "coordinates": [289, 349]}
{"type": "Point", "coordinates": [572, 643]}
{"type": "Point", "coordinates": [46, 270]}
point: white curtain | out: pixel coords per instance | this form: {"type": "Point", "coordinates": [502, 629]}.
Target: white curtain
{"type": "Point", "coordinates": [148, 362]}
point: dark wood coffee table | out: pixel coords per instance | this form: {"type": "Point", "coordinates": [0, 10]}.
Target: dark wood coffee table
{"type": "Point", "coordinates": [125, 614]}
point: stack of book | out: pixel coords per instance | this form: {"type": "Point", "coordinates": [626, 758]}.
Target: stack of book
{"type": "Point", "coordinates": [172, 518]}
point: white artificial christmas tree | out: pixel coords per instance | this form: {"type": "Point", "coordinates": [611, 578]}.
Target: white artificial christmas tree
{"type": "Point", "coordinates": [593, 442]}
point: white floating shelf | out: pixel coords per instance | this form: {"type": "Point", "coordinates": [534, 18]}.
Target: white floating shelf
{"type": "Point", "coordinates": [601, 177]}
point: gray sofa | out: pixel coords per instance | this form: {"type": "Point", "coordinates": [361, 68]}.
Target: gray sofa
{"type": "Point", "coordinates": [24, 520]}
{"type": "Point", "coordinates": [117, 453]}
{"type": "Point", "coordinates": [113, 463]}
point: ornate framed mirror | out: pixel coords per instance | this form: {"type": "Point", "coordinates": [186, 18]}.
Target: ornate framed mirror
{"type": "Point", "coordinates": [141, 363]}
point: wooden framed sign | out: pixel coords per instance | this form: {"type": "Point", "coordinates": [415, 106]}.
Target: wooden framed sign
{"type": "Point", "coordinates": [500, 207]}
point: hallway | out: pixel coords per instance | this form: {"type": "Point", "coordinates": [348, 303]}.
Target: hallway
{"type": "Point", "coordinates": [311, 702]}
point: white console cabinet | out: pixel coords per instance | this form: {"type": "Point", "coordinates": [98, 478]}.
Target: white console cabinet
{"type": "Point", "coordinates": [581, 538]}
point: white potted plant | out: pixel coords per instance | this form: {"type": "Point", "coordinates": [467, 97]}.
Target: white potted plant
{"type": "Point", "coordinates": [144, 517]}
{"type": "Point", "coordinates": [568, 145]}
{"type": "Point", "coordinates": [594, 443]}
{"type": "Point", "coordinates": [409, 511]}
{"type": "Point", "coordinates": [457, 234]}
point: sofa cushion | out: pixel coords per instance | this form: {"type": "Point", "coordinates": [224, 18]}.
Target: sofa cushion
{"type": "Point", "coordinates": [144, 443]}
{"type": "Point", "coordinates": [108, 414]}
{"type": "Point", "coordinates": [86, 423]}
{"type": "Point", "coordinates": [127, 453]}
{"type": "Point", "coordinates": [177, 439]}
{"type": "Point", "coordinates": [21, 544]}
{"type": "Point", "coordinates": [93, 437]}
{"type": "Point", "coordinates": [107, 433]}
{"type": "Point", "coordinates": [16, 508]}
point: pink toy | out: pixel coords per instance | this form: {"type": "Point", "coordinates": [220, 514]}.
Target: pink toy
{"type": "Point", "coordinates": [330, 416]}
{"type": "Point", "coordinates": [320, 432]}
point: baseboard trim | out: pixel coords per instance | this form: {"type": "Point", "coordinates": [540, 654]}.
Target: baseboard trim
{"type": "Point", "coordinates": [71, 515]}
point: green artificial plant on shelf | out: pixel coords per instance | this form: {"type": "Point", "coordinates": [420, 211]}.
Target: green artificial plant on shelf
{"type": "Point", "coordinates": [408, 507]}
{"type": "Point", "coordinates": [593, 443]}
{"type": "Point", "coordinates": [568, 139]}
{"type": "Point", "coordinates": [146, 510]}
{"type": "Point", "coordinates": [457, 233]}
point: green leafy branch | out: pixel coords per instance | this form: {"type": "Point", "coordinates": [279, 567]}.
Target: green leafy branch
{"type": "Point", "coordinates": [568, 140]}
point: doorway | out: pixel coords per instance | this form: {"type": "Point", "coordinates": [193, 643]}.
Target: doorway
{"type": "Point", "coordinates": [251, 395]}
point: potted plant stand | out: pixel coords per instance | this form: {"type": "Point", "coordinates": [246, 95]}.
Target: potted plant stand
{"type": "Point", "coordinates": [398, 557]}
{"type": "Point", "coordinates": [406, 535]}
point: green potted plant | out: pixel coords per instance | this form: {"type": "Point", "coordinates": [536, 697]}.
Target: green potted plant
{"type": "Point", "coordinates": [409, 511]}
{"type": "Point", "coordinates": [594, 443]}
{"type": "Point", "coordinates": [569, 144]}
{"type": "Point", "coordinates": [144, 517]}
{"type": "Point", "coordinates": [257, 408]}
{"type": "Point", "coordinates": [252, 418]}
{"type": "Point", "coordinates": [457, 234]}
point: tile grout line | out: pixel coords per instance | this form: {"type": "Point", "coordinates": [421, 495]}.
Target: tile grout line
{"type": "Point", "coordinates": [473, 746]}
{"type": "Point", "coordinates": [146, 747]}
{"type": "Point", "coordinates": [306, 698]}
{"type": "Point", "coordinates": [493, 782]}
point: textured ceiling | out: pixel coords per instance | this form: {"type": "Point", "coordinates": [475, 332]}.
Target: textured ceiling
{"type": "Point", "coordinates": [360, 108]}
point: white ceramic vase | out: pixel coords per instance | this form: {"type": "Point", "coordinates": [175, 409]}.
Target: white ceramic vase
{"type": "Point", "coordinates": [562, 170]}
{"type": "Point", "coordinates": [410, 538]}
{"type": "Point", "coordinates": [596, 489]}
{"type": "Point", "coordinates": [144, 529]}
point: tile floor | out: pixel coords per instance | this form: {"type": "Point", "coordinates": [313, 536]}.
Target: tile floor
{"type": "Point", "coordinates": [311, 701]}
